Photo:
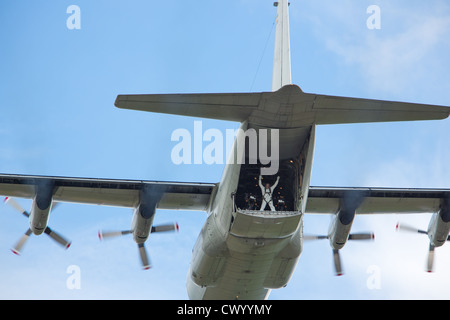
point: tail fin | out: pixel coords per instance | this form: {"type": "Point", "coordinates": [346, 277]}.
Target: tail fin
{"type": "Point", "coordinates": [282, 54]}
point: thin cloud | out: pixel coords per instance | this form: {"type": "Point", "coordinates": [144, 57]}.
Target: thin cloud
{"type": "Point", "coordinates": [402, 55]}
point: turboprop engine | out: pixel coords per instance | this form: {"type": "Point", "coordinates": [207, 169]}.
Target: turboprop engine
{"type": "Point", "coordinates": [142, 223]}
{"type": "Point", "coordinates": [341, 225]}
{"type": "Point", "coordinates": [38, 217]}
{"type": "Point", "coordinates": [438, 230]}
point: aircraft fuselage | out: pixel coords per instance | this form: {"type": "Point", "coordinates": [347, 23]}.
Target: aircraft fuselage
{"type": "Point", "coordinates": [243, 252]}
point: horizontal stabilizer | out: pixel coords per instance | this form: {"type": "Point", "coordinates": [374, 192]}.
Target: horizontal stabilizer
{"type": "Point", "coordinates": [331, 110]}
{"type": "Point", "coordinates": [223, 106]}
{"type": "Point", "coordinates": [289, 107]}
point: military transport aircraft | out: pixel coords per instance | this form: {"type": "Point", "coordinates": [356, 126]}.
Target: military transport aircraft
{"type": "Point", "coordinates": [252, 239]}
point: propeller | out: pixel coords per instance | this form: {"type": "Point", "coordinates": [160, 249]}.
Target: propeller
{"type": "Point", "coordinates": [18, 247]}
{"type": "Point", "coordinates": [146, 264]}
{"type": "Point", "coordinates": [144, 257]}
{"type": "Point", "coordinates": [336, 255]}
{"type": "Point", "coordinates": [337, 263]}
{"type": "Point", "coordinates": [407, 228]}
{"type": "Point", "coordinates": [430, 258]}
{"type": "Point", "coordinates": [52, 234]}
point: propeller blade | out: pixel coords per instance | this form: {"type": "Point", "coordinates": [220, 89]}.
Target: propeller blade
{"type": "Point", "coordinates": [21, 242]}
{"type": "Point", "coordinates": [403, 227]}
{"type": "Point", "coordinates": [166, 227]}
{"type": "Point", "coordinates": [112, 234]}
{"type": "Point", "coordinates": [362, 236]}
{"type": "Point", "coordinates": [13, 203]}
{"type": "Point", "coordinates": [58, 238]}
{"type": "Point", "coordinates": [430, 258]}
{"type": "Point", "coordinates": [337, 263]}
{"type": "Point", "coordinates": [313, 237]}
{"type": "Point", "coordinates": [144, 257]}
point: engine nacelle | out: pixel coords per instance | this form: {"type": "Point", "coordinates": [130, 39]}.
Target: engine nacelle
{"type": "Point", "coordinates": [439, 226]}
{"type": "Point", "coordinates": [41, 207]}
{"type": "Point", "coordinates": [340, 227]}
{"type": "Point", "coordinates": [145, 213]}
{"type": "Point", "coordinates": [141, 224]}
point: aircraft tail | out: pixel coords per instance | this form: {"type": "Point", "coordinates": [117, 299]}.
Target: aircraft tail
{"type": "Point", "coordinates": [287, 106]}
{"type": "Point", "coordinates": [282, 53]}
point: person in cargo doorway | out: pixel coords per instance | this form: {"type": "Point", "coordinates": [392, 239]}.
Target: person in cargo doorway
{"type": "Point", "coordinates": [267, 192]}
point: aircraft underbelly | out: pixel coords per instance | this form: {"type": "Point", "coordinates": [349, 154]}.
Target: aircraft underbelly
{"type": "Point", "coordinates": [259, 253]}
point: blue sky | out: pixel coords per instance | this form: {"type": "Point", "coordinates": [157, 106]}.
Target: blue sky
{"type": "Point", "coordinates": [57, 90]}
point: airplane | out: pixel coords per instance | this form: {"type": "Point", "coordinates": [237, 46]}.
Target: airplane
{"type": "Point", "coordinates": [244, 253]}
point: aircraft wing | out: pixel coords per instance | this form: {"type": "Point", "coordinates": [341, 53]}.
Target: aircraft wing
{"type": "Point", "coordinates": [326, 200]}
{"type": "Point", "coordinates": [196, 196]}
{"type": "Point", "coordinates": [119, 193]}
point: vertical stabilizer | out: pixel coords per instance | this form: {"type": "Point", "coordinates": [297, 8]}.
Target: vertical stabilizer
{"type": "Point", "coordinates": [282, 54]}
